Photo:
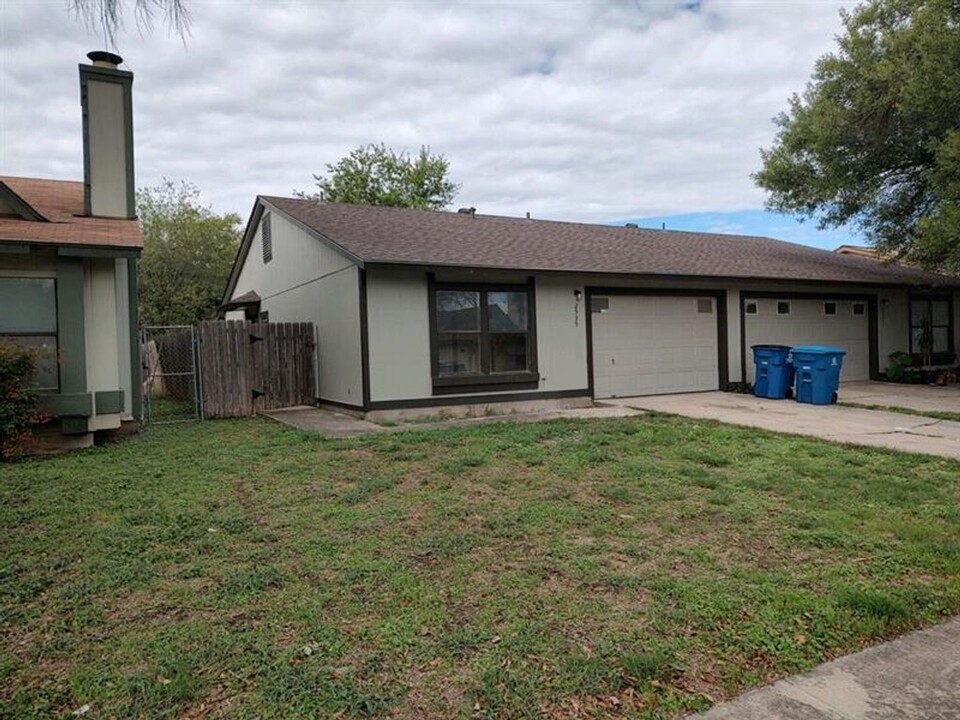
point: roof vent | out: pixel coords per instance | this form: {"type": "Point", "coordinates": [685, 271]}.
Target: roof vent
{"type": "Point", "coordinates": [471, 211]}
{"type": "Point", "coordinates": [632, 225]}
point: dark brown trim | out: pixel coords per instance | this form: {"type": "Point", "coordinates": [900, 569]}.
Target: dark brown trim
{"type": "Point", "coordinates": [488, 379]}
{"type": "Point", "coordinates": [337, 403]}
{"type": "Point", "coordinates": [873, 331]}
{"type": "Point", "coordinates": [364, 337]}
{"type": "Point", "coordinates": [21, 206]}
{"type": "Point", "coordinates": [477, 399]}
{"type": "Point", "coordinates": [313, 232]}
{"type": "Point", "coordinates": [489, 386]}
{"type": "Point", "coordinates": [484, 380]}
{"type": "Point", "coordinates": [720, 295]}
{"type": "Point", "coordinates": [947, 284]}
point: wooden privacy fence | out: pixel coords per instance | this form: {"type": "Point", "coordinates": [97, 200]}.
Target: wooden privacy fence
{"type": "Point", "coordinates": [247, 367]}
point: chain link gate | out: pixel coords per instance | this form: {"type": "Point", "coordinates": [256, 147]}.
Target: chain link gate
{"type": "Point", "coordinates": [171, 391]}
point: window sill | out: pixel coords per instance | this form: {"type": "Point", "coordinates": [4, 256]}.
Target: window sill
{"type": "Point", "coordinates": [496, 382]}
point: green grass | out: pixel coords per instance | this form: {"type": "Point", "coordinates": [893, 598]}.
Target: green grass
{"type": "Point", "coordinates": [935, 414]}
{"type": "Point", "coordinates": [641, 567]}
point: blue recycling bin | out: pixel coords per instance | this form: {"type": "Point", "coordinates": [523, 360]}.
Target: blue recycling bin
{"type": "Point", "coordinates": [818, 373]}
{"type": "Point", "coordinates": [774, 371]}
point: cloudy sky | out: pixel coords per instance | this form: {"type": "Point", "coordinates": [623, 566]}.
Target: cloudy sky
{"type": "Point", "coordinates": [596, 111]}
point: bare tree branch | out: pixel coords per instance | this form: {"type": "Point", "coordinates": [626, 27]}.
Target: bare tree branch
{"type": "Point", "coordinates": [108, 15]}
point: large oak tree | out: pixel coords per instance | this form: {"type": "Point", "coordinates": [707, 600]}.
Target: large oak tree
{"type": "Point", "coordinates": [874, 139]}
{"type": "Point", "coordinates": [377, 175]}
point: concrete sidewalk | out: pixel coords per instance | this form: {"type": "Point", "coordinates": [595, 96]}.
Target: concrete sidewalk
{"type": "Point", "coordinates": [912, 678]}
{"type": "Point", "coordinates": [876, 428]}
{"type": "Point", "coordinates": [922, 398]}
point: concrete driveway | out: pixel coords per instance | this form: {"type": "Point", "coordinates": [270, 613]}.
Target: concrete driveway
{"type": "Point", "coordinates": [897, 431]}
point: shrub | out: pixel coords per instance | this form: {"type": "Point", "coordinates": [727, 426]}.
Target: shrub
{"type": "Point", "coordinates": [18, 399]}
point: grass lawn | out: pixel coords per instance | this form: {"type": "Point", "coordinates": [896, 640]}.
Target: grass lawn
{"type": "Point", "coordinates": [935, 414]}
{"type": "Point", "coordinates": [640, 567]}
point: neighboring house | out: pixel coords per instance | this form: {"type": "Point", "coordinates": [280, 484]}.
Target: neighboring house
{"type": "Point", "coordinates": [422, 309]}
{"type": "Point", "coordinates": [68, 267]}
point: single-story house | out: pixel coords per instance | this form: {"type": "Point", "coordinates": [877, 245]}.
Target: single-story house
{"type": "Point", "coordinates": [418, 309]}
{"type": "Point", "coordinates": [68, 267]}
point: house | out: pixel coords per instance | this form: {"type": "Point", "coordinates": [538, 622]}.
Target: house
{"type": "Point", "coordinates": [422, 309]}
{"type": "Point", "coordinates": [68, 267]}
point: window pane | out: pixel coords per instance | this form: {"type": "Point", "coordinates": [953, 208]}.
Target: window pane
{"type": "Point", "coordinates": [941, 340]}
{"type": "Point", "coordinates": [458, 311]}
{"type": "Point", "coordinates": [918, 309]}
{"type": "Point", "coordinates": [508, 353]}
{"type": "Point", "coordinates": [46, 349]}
{"type": "Point", "coordinates": [28, 305]}
{"type": "Point", "coordinates": [458, 354]}
{"type": "Point", "coordinates": [941, 312]}
{"type": "Point", "coordinates": [507, 311]}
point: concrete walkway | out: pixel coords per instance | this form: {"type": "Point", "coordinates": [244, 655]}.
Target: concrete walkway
{"type": "Point", "coordinates": [916, 677]}
{"type": "Point", "coordinates": [909, 433]}
{"type": "Point", "coordinates": [922, 398]}
{"type": "Point", "coordinates": [332, 424]}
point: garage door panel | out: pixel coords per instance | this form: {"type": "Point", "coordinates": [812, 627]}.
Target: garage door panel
{"type": "Point", "coordinates": [807, 324]}
{"type": "Point", "coordinates": [648, 344]}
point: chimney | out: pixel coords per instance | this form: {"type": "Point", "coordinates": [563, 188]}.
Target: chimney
{"type": "Point", "coordinates": [106, 100]}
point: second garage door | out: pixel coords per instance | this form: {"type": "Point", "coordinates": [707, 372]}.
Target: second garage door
{"type": "Point", "coordinates": [822, 321]}
{"type": "Point", "coordinates": [654, 344]}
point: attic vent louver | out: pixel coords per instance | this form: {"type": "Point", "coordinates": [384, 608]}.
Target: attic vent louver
{"type": "Point", "coordinates": [471, 211]}
{"type": "Point", "coordinates": [632, 225]}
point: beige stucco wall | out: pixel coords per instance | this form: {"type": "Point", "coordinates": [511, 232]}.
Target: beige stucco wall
{"type": "Point", "coordinates": [107, 152]}
{"type": "Point", "coordinates": [307, 281]}
{"type": "Point", "coordinates": [123, 335]}
{"type": "Point", "coordinates": [100, 331]}
{"type": "Point", "coordinates": [399, 324]}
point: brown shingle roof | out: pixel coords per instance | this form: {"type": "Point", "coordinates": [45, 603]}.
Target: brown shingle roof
{"type": "Point", "coordinates": [61, 203]}
{"type": "Point", "coordinates": [422, 237]}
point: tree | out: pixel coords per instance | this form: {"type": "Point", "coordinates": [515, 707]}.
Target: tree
{"type": "Point", "coordinates": [875, 138]}
{"type": "Point", "coordinates": [376, 175]}
{"type": "Point", "coordinates": [108, 15]}
{"type": "Point", "coordinates": [188, 251]}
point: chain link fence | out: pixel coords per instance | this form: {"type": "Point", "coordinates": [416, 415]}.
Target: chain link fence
{"type": "Point", "coordinates": [170, 379]}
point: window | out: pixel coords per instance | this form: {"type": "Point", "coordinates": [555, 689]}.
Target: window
{"type": "Point", "coordinates": [266, 237]}
{"type": "Point", "coordinates": [931, 329]}
{"type": "Point", "coordinates": [29, 319]}
{"type": "Point", "coordinates": [483, 335]}
{"type": "Point", "coordinates": [750, 307]}
{"type": "Point", "coordinates": [783, 307]}
{"type": "Point", "coordinates": [859, 308]}
{"type": "Point", "coordinates": [705, 305]}
{"type": "Point", "coordinates": [829, 308]}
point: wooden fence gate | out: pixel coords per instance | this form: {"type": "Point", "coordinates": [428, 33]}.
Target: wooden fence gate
{"type": "Point", "coordinates": [247, 367]}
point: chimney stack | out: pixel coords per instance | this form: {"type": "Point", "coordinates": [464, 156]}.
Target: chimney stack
{"type": "Point", "coordinates": [107, 102]}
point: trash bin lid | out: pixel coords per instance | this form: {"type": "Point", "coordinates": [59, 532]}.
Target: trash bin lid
{"type": "Point", "coordinates": [770, 347]}
{"type": "Point", "coordinates": [819, 350]}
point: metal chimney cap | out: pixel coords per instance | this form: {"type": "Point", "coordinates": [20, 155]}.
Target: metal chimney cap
{"type": "Point", "coordinates": [102, 57]}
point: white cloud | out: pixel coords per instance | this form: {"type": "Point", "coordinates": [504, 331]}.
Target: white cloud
{"type": "Point", "coordinates": [575, 110]}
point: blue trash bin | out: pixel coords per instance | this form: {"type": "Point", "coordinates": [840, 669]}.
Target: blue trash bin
{"type": "Point", "coordinates": [774, 371]}
{"type": "Point", "coordinates": [818, 373]}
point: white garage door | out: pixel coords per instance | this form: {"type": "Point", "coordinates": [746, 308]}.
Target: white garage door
{"type": "Point", "coordinates": [653, 344]}
{"type": "Point", "coordinates": [839, 323]}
